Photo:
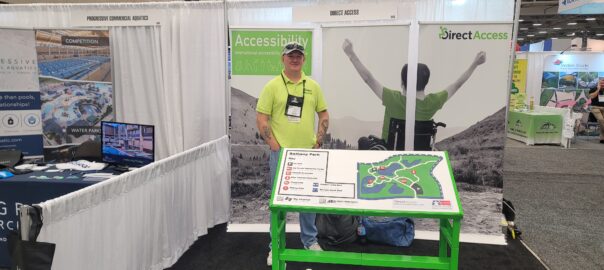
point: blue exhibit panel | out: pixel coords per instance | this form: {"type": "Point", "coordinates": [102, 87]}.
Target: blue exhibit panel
{"type": "Point", "coordinates": [30, 145]}
{"type": "Point", "coordinates": [17, 101]}
{"type": "Point", "coordinates": [22, 189]}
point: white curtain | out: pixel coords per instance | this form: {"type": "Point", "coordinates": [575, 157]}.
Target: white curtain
{"type": "Point", "coordinates": [172, 76]}
{"type": "Point", "coordinates": [144, 219]}
{"type": "Point", "coordinates": [139, 85]}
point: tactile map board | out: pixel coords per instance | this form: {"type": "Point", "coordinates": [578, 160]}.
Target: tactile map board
{"type": "Point", "coordinates": [416, 181]}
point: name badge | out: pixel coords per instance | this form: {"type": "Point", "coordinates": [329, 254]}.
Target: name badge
{"type": "Point", "coordinates": [294, 105]}
{"type": "Point", "coordinates": [601, 98]}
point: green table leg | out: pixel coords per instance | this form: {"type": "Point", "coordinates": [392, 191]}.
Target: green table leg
{"type": "Point", "coordinates": [282, 222]}
{"type": "Point", "coordinates": [277, 238]}
{"type": "Point", "coordinates": [455, 244]}
{"type": "Point", "coordinates": [442, 243]}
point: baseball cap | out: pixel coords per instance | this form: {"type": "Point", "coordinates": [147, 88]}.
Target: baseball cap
{"type": "Point", "coordinates": [292, 46]}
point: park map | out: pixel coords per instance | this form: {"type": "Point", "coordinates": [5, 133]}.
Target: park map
{"type": "Point", "coordinates": [399, 176]}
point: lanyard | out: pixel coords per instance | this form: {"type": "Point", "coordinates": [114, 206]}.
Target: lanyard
{"type": "Point", "coordinates": [286, 89]}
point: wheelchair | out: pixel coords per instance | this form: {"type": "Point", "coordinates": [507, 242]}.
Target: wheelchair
{"type": "Point", "coordinates": [425, 136]}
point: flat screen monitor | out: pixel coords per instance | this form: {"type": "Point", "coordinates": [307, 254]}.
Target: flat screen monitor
{"type": "Point", "coordinates": [126, 144]}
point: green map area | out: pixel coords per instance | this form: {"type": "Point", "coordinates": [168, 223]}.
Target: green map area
{"type": "Point", "coordinates": [399, 176]}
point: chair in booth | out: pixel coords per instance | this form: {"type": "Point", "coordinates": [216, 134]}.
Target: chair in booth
{"type": "Point", "coordinates": [88, 150]}
{"type": "Point", "coordinates": [425, 132]}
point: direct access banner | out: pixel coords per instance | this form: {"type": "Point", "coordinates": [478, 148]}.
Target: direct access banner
{"type": "Point", "coordinates": [469, 64]}
{"type": "Point", "coordinates": [258, 52]}
{"type": "Point", "coordinates": [75, 85]}
{"type": "Point", "coordinates": [20, 126]}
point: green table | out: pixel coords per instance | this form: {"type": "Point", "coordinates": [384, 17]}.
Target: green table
{"type": "Point", "coordinates": [319, 181]}
{"type": "Point", "coordinates": [535, 127]}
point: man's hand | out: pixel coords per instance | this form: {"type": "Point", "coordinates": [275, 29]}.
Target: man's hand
{"type": "Point", "coordinates": [347, 47]}
{"type": "Point", "coordinates": [275, 147]}
{"type": "Point", "coordinates": [481, 57]}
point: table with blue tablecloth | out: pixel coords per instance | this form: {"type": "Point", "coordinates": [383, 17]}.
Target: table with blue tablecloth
{"type": "Point", "coordinates": [33, 188]}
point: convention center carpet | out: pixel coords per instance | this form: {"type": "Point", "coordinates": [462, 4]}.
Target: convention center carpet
{"type": "Point", "coordinates": [557, 193]}
{"type": "Point", "coordinates": [222, 250]}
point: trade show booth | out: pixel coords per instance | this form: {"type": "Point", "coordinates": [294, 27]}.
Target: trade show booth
{"type": "Point", "coordinates": [555, 83]}
{"type": "Point", "coordinates": [65, 68]}
{"type": "Point", "coordinates": [193, 72]}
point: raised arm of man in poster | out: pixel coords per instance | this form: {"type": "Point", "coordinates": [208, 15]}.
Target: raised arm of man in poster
{"type": "Point", "coordinates": [366, 75]}
{"type": "Point", "coordinates": [480, 58]}
{"type": "Point", "coordinates": [423, 74]}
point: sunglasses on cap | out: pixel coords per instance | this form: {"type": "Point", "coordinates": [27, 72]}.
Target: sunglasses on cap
{"type": "Point", "coordinates": [294, 46]}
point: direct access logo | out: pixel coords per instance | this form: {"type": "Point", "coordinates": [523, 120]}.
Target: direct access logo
{"type": "Point", "coordinates": [448, 34]}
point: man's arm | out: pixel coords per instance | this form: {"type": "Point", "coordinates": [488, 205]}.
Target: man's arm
{"type": "Point", "coordinates": [323, 126]}
{"type": "Point", "coordinates": [376, 86]}
{"type": "Point", "coordinates": [265, 131]}
{"type": "Point", "coordinates": [594, 94]}
{"type": "Point", "coordinates": [481, 57]}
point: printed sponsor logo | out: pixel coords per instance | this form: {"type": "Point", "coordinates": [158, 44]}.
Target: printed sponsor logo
{"type": "Point", "coordinates": [548, 126]}
{"type": "Point", "coordinates": [448, 34]}
{"type": "Point", "coordinates": [557, 62]}
{"type": "Point", "coordinates": [441, 204]}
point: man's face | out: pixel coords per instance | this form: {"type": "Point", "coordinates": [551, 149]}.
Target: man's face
{"type": "Point", "coordinates": [293, 61]}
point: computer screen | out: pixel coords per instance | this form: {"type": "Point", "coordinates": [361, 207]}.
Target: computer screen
{"type": "Point", "coordinates": [127, 144]}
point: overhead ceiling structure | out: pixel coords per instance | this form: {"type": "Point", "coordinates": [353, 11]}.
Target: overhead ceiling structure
{"type": "Point", "coordinates": [539, 20]}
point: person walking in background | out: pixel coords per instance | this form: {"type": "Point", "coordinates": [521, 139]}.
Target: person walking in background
{"type": "Point", "coordinates": [286, 118]}
{"type": "Point", "coordinates": [395, 102]}
{"type": "Point", "coordinates": [596, 94]}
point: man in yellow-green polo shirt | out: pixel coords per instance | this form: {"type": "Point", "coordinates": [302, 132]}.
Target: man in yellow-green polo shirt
{"type": "Point", "coordinates": [285, 117]}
